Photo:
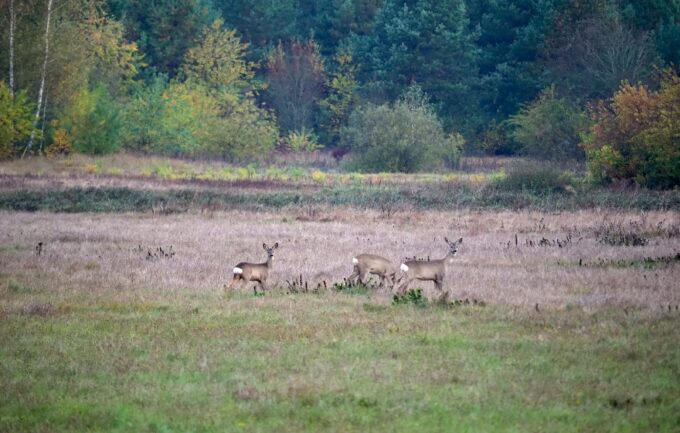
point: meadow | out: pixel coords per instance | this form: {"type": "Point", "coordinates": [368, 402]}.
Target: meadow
{"type": "Point", "coordinates": [552, 320]}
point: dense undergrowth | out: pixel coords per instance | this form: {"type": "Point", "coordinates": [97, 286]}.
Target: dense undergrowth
{"type": "Point", "coordinates": [384, 198]}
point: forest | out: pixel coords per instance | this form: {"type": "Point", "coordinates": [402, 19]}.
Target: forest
{"type": "Point", "coordinates": [391, 85]}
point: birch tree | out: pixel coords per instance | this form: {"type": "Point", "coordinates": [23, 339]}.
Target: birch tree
{"type": "Point", "coordinates": [42, 80]}
{"type": "Point", "coordinates": [12, 31]}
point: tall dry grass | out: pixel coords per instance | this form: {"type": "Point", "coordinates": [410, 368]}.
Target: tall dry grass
{"type": "Point", "coordinates": [93, 257]}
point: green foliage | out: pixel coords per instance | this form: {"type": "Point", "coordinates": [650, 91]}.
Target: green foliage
{"type": "Point", "coordinates": [218, 60]}
{"type": "Point", "coordinates": [302, 141]}
{"type": "Point", "coordinates": [635, 136]}
{"type": "Point", "coordinates": [480, 61]}
{"type": "Point", "coordinates": [341, 98]}
{"type": "Point", "coordinates": [549, 128]}
{"type": "Point", "coordinates": [512, 34]}
{"type": "Point", "coordinates": [93, 122]}
{"type": "Point", "coordinates": [438, 196]}
{"type": "Point", "coordinates": [405, 137]}
{"type": "Point", "coordinates": [187, 119]}
{"type": "Point", "coordinates": [61, 144]}
{"type": "Point", "coordinates": [16, 120]}
{"type": "Point", "coordinates": [668, 41]}
{"type": "Point", "coordinates": [452, 149]}
{"type": "Point", "coordinates": [262, 21]}
{"type": "Point", "coordinates": [591, 56]}
{"type": "Point", "coordinates": [495, 140]}
{"type": "Point", "coordinates": [412, 297]}
{"type": "Point", "coordinates": [430, 43]}
{"type": "Point", "coordinates": [534, 177]}
{"type": "Point", "coordinates": [351, 288]}
{"type": "Point", "coordinates": [337, 20]}
{"type": "Point", "coordinates": [166, 29]}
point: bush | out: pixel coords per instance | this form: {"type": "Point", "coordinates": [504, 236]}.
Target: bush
{"type": "Point", "coordinates": [413, 297]}
{"type": "Point", "coordinates": [496, 140]}
{"type": "Point", "coordinates": [617, 234]}
{"type": "Point", "coordinates": [92, 122]}
{"type": "Point", "coordinates": [16, 120]}
{"type": "Point", "coordinates": [404, 137]}
{"type": "Point", "coordinates": [536, 177]}
{"type": "Point", "coordinates": [302, 141]}
{"type": "Point", "coordinates": [549, 128]}
{"type": "Point", "coordinates": [636, 135]}
{"type": "Point", "coordinates": [61, 144]}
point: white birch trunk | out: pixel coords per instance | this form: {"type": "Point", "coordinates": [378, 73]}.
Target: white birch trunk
{"type": "Point", "coordinates": [12, 32]}
{"type": "Point", "coordinates": [42, 81]}
{"type": "Point", "coordinates": [44, 116]}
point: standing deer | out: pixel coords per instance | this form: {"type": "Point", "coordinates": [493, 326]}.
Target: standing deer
{"type": "Point", "coordinates": [254, 271]}
{"type": "Point", "coordinates": [365, 264]}
{"type": "Point", "coordinates": [429, 270]}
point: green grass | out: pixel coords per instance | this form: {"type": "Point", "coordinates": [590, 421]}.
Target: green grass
{"type": "Point", "coordinates": [332, 362]}
{"type": "Point", "coordinates": [386, 198]}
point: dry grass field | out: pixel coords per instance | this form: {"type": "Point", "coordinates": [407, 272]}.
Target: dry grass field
{"type": "Point", "coordinates": [516, 259]}
{"type": "Point", "coordinates": [114, 317]}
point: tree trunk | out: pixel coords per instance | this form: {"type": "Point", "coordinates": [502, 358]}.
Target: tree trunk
{"type": "Point", "coordinates": [42, 133]}
{"type": "Point", "coordinates": [42, 81]}
{"type": "Point", "coordinates": [12, 32]}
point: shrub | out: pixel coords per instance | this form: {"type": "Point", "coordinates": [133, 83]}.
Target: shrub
{"type": "Point", "coordinates": [534, 176]}
{"type": "Point", "coordinates": [16, 120]}
{"type": "Point", "coordinates": [413, 297]}
{"type": "Point", "coordinates": [549, 128]}
{"type": "Point", "coordinates": [636, 135]}
{"type": "Point", "coordinates": [617, 234]}
{"type": "Point", "coordinates": [496, 140]}
{"type": "Point", "coordinates": [61, 144]}
{"type": "Point", "coordinates": [452, 149]}
{"type": "Point", "coordinates": [302, 141]}
{"type": "Point", "coordinates": [93, 122]}
{"type": "Point", "coordinates": [404, 137]}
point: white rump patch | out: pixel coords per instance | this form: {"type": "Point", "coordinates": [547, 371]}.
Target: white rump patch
{"type": "Point", "coordinates": [404, 268]}
{"type": "Point", "coordinates": [238, 270]}
{"type": "Point", "coordinates": [354, 260]}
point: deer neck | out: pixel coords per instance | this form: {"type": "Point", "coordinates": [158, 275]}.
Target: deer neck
{"type": "Point", "coordinates": [268, 263]}
{"type": "Point", "coordinates": [448, 259]}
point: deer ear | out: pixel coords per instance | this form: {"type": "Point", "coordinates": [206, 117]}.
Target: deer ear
{"type": "Point", "coordinates": [264, 246]}
{"type": "Point", "coordinates": [447, 240]}
{"type": "Point", "coordinates": [276, 245]}
{"type": "Point", "coordinates": [460, 241]}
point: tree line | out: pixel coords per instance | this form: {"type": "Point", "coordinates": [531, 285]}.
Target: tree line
{"type": "Point", "coordinates": [407, 84]}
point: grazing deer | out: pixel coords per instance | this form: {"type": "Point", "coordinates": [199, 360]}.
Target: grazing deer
{"type": "Point", "coordinates": [429, 270]}
{"type": "Point", "coordinates": [365, 264]}
{"type": "Point", "coordinates": [254, 271]}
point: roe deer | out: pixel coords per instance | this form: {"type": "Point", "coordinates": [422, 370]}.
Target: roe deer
{"type": "Point", "coordinates": [254, 271]}
{"type": "Point", "coordinates": [429, 270]}
{"type": "Point", "coordinates": [365, 264]}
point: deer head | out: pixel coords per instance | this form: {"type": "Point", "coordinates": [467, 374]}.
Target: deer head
{"type": "Point", "coordinates": [453, 246]}
{"type": "Point", "coordinates": [270, 250]}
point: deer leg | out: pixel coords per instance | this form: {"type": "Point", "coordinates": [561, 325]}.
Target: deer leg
{"type": "Point", "coordinates": [363, 278]}
{"type": "Point", "coordinates": [402, 288]}
{"type": "Point", "coordinates": [438, 283]}
{"type": "Point", "coordinates": [234, 281]}
{"type": "Point", "coordinates": [354, 275]}
{"type": "Point", "coordinates": [263, 285]}
{"type": "Point", "coordinates": [391, 280]}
